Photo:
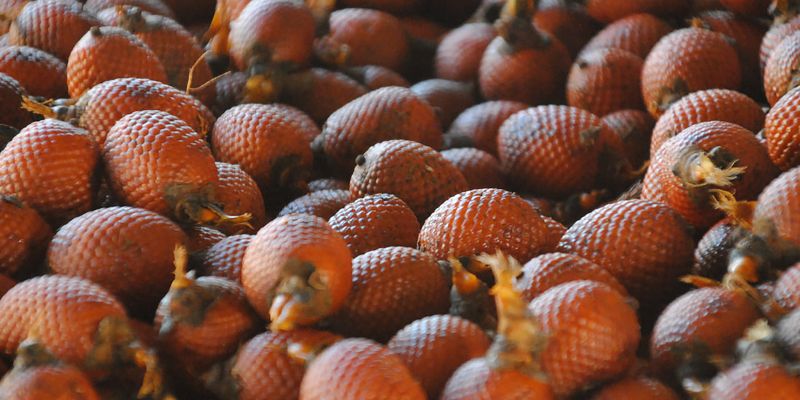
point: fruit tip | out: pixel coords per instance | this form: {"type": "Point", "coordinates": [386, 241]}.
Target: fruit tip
{"type": "Point", "coordinates": [181, 257]}
{"type": "Point", "coordinates": [284, 311]}
{"type": "Point", "coordinates": [464, 281]}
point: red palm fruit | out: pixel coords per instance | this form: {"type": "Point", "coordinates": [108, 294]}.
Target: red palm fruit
{"type": "Point", "coordinates": [239, 194]}
{"type": "Point", "coordinates": [384, 114]}
{"type": "Point", "coordinates": [777, 212]}
{"type": "Point", "coordinates": [705, 157]}
{"type": "Point", "coordinates": [201, 238]}
{"type": "Point", "coordinates": [571, 25]}
{"type": "Point", "coordinates": [106, 244]}
{"type": "Point", "coordinates": [707, 105]}
{"type": "Point", "coordinates": [787, 333]}
{"type": "Point", "coordinates": [477, 221]}
{"type": "Point", "coordinates": [382, 276]}
{"type": "Point", "coordinates": [636, 388]}
{"type": "Point", "coordinates": [573, 311]}
{"type": "Point", "coordinates": [612, 10]}
{"type": "Point", "coordinates": [328, 184]}
{"type": "Point", "coordinates": [477, 380]}
{"type": "Point", "coordinates": [422, 29]}
{"type": "Point", "coordinates": [747, 8]}
{"type": "Point", "coordinates": [479, 125]}
{"type": "Point", "coordinates": [230, 91]}
{"type": "Point", "coordinates": [107, 53]}
{"type": "Point", "coordinates": [774, 37]}
{"type": "Point", "coordinates": [700, 324]}
{"type": "Point", "coordinates": [359, 369]}
{"type": "Point", "coordinates": [605, 80]}
{"type": "Point", "coordinates": [458, 56]}
{"type": "Point", "coordinates": [780, 75]}
{"type": "Point", "coordinates": [449, 98]}
{"type": "Point", "coordinates": [372, 37]}
{"type": "Point", "coordinates": [272, 32]}
{"type": "Point", "coordinates": [686, 61]}
{"type": "Point", "coordinates": [267, 142]}
{"type": "Point", "coordinates": [755, 380]}
{"type": "Point", "coordinates": [634, 128]}
{"type": "Point", "coordinates": [648, 267]}
{"type": "Point", "coordinates": [480, 169]}
{"type": "Point", "coordinates": [553, 150]}
{"type": "Point", "coordinates": [434, 347]}
{"type": "Point", "coordinates": [50, 165]}
{"type": "Point", "coordinates": [24, 236]}
{"type": "Point", "coordinates": [6, 284]}
{"type": "Point", "coordinates": [711, 254]}
{"type": "Point", "coordinates": [783, 143]}
{"type": "Point", "coordinates": [54, 26]}
{"type": "Point", "coordinates": [635, 33]}
{"type": "Point", "coordinates": [11, 95]}
{"type": "Point", "coordinates": [150, 6]}
{"type": "Point", "coordinates": [374, 222]}
{"type": "Point", "coordinates": [375, 77]}
{"type": "Point", "coordinates": [787, 289]}
{"type": "Point", "coordinates": [308, 127]}
{"type": "Point", "coordinates": [224, 258]}
{"type": "Point", "coordinates": [552, 269]}
{"type": "Point", "coordinates": [320, 92]}
{"type": "Point", "coordinates": [40, 73]}
{"type": "Point", "coordinates": [390, 6]}
{"type": "Point", "coordinates": [555, 230]}
{"type": "Point", "coordinates": [414, 172]}
{"type": "Point", "coordinates": [193, 11]}
{"type": "Point", "coordinates": [323, 203]}
{"type": "Point", "coordinates": [296, 271]}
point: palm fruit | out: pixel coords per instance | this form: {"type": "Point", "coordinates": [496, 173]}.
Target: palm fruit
{"type": "Point", "coordinates": [477, 221]}
{"type": "Point", "coordinates": [449, 98]}
{"type": "Point", "coordinates": [382, 276]}
{"type": "Point", "coordinates": [707, 105]}
{"type": "Point", "coordinates": [417, 174]}
{"type": "Point", "coordinates": [24, 237]}
{"type": "Point", "coordinates": [636, 33]}
{"type": "Point", "coordinates": [612, 10]}
{"type": "Point", "coordinates": [480, 169]}
{"type": "Point", "coordinates": [459, 53]}
{"type": "Point", "coordinates": [783, 141]}
{"type": "Point", "coordinates": [422, 29]}
{"type": "Point", "coordinates": [605, 80]}
{"type": "Point", "coordinates": [54, 26]}
{"type": "Point", "coordinates": [267, 142]}
{"type": "Point", "coordinates": [634, 128]}
{"type": "Point", "coordinates": [636, 388]}
{"type": "Point", "coordinates": [323, 203]}
{"type": "Point", "coordinates": [201, 238]}
{"type": "Point", "coordinates": [711, 254]}
{"type": "Point", "coordinates": [271, 32]}
{"type": "Point", "coordinates": [320, 92]}
{"type": "Point", "coordinates": [755, 380]}
{"type": "Point", "coordinates": [328, 184]}
{"type": "Point", "coordinates": [686, 61]}
{"type": "Point", "coordinates": [523, 63]}
{"type": "Point", "coordinates": [151, 6]}
{"type": "Point", "coordinates": [296, 271]}
{"type": "Point", "coordinates": [779, 72]}
{"type": "Point", "coordinates": [50, 165]}
{"type": "Point", "coordinates": [555, 150]}
{"type": "Point", "coordinates": [375, 77]}
{"type": "Point", "coordinates": [105, 53]}
{"type": "Point", "coordinates": [774, 37]}
{"type": "Point", "coordinates": [555, 230]}
{"type": "Point", "coordinates": [709, 156]}
{"type": "Point", "coordinates": [479, 125]}
{"type": "Point", "coordinates": [40, 73]}
{"type": "Point", "coordinates": [776, 219]}
{"type": "Point", "coordinates": [384, 114]}
{"type": "Point", "coordinates": [106, 244]}
{"type": "Point", "coordinates": [786, 334]}
{"type": "Point", "coordinates": [239, 194]}
{"type": "Point", "coordinates": [787, 289]}
{"type": "Point", "coordinates": [372, 37]}
{"type": "Point", "coordinates": [224, 258]}
{"type": "Point", "coordinates": [434, 347]}
{"type": "Point", "coordinates": [11, 95]}
{"type": "Point", "coordinates": [230, 91]}
{"type": "Point", "coordinates": [552, 269]}
{"type": "Point", "coordinates": [376, 221]}
{"type": "Point", "coordinates": [649, 266]}
{"type": "Point", "coordinates": [570, 24]}
{"type": "Point", "coordinates": [747, 7]}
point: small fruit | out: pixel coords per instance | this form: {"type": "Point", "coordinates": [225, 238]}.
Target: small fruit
{"type": "Point", "coordinates": [372, 37]}
{"type": "Point", "coordinates": [11, 94]}
{"type": "Point", "coordinates": [711, 254]}
{"type": "Point", "coordinates": [40, 73]}
{"type": "Point", "coordinates": [322, 203]}
{"type": "Point", "coordinates": [375, 77]}
{"type": "Point", "coordinates": [550, 270]}
{"type": "Point", "coordinates": [636, 33]}
{"type": "Point", "coordinates": [755, 380]}
{"type": "Point", "coordinates": [783, 141]}
{"type": "Point", "coordinates": [603, 81]}
{"type": "Point", "coordinates": [376, 221]}
{"type": "Point", "coordinates": [481, 169]}
{"type": "Point", "coordinates": [787, 289]}
{"type": "Point", "coordinates": [320, 92]}
{"type": "Point", "coordinates": [24, 237]}
{"type": "Point", "coordinates": [150, 6]}
{"type": "Point", "coordinates": [555, 231]}
{"type": "Point", "coordinates": [634, 128]}
{"type": "Point", "coordinates": [776, 218]}
{"type": "Point", "coordinates": [459, 54]}
{"type": "Point", "coordinates": [239, 194]}
{"type": "Point", "coordinates": [571, 24]}
{"type": "Point", "coordinates": [773, 38]}
{"type": "Point", "coordinates": [779, 73]}
{"type": "Point", "coordinates": [479, 125]}
{"type": "Point", "coordinates": [201, 238]}
{"type": "Point", "coordinates": [224, 258]}
{"type": "Point", "coordinates": [51, 25]}
{"type": "Point", "coordinates": [636, 388]}
{"type": "Point", "coordinates": [449, 98]}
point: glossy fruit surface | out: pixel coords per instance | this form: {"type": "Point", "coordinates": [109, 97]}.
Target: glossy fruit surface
{"type": "Point", "coordinates": [40, 73]}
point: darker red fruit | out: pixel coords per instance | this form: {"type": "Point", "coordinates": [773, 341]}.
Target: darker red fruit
{"type": "Point", "coordinates": [373, 37]}
{"type": "Point", "coordinates": [11, 95]}
{"type": "Point", "coordinates": [328, 184]}
{"type": "Point", "coordinates": [612, 10]}
{"type": "Point", "coordinates": [24, 237]}
{"type": "Point", "coordinates": [322, 203]}
{"type": "Point", "coordinates": [319, 92]}
{"type": "Point", "coordinates": [239, 194]}
{"type": "Point", "coordinates": [753, 380]}
{"type": "Point", "coordinates": [224, 258]}
{"type": "Point", "coordinates": [374, 222]}
{"type": "Point", "coordinates": [458, 56]}
{"type": "Point", "coordinates": [550, 270]}
{"type": "Point", "coordinates": [201, 238]}
{"type": "Point", "coordinates": [40, 73]}
{"type": "Point", "coordinates": [603, 81]}
{"type": "Point", "coordinates": [711, 254]}
{"type": "Point", "coordinates": [783, 141]}
{"type": "Point", "coordinates": [480, 169]}
{"type": "Point", "coordinates": [776, 215]}
{"type": "Point", "coordinates": [375, 77]}
{"type": "Point", "coordinates": [774, 37]}
{"type": "Point", "coordinates": [636, 388]}
{"type": "Point", "coordinates": [51, 25]}
{"type": "Point", "coordinates": [572, 25]}
{"type": "Point", "coordinates": [479, 125]}
{"type": "Point", "coordinates": [449, 98]}
{"type": "Point", "coordinates": [636, 33]}
{"type": "Point", "coordinates": [634, 128]}
{"type": "Point", "coordinates": [780, 73]}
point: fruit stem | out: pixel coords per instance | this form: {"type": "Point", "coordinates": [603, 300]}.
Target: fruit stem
{"type": "Point", "coordinates": [464, 281]}
{"type": "Point", "coordinates": [300, 296]}
{"type": "Point", "coordinates": [305, 352]}
{"type": "Point", "coordinates": [741, 212]}
{"type": "Point", "coordinates": [181, 281]}
{"type": "Point", "coordinates": [38, 108]}
{"type": "Point", "coordinates": [519, 9]}
{"type": "Point", "coordinates": [218, 30]}
{"type": "Point", "coordinates": [153, 381]}
{"type": "Point", "coordinates": [704, 172]}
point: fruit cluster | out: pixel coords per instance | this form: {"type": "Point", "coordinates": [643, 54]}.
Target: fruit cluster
{"type": "Point", "coordinates": [400, 199]}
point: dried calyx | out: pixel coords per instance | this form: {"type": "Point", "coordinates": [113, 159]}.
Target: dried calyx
{"type": "Point", "coordinates": [469, 296]}
{"type": "Point", "coordinates": [197, 205]}
{"type": "Point", "coordinates": [301, 297]}
{"type": "Point", "coordinates": [514, 25]}
{"type": "Point", "coordinates": [64, 110]}
{"type": "Point", "coordinates": [187, 301]}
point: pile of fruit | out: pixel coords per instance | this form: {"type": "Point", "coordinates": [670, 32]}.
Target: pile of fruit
{"type": "Point", "coordinates": [400, 199]}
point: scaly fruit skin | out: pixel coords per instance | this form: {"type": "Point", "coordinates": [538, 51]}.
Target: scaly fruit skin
{"type": "Point", "coordinates": [107, 53]}
{"type": "Point", "coordinates": [555, 231]}
{"type": "Point", "coordinates": [384, 114]}
{"type": "Point", "coordinates": [374, 77]}
{"type": "Point", "coordinates": [604, 81]}
{"type": "Point", "coordinates": [703, 322]}
{"type": "Point", "coordinates": [106, 244]}
{"type": "Point", "coordinates": [648, 267]}
{"type": "Point", "coordinates": [636, 33]}
{"type": "Point", "coordinates": [777, 214]}
{"type": "Point", "coordinates": [634, 128]}
{"type": "Point", "coordinates": [636, 388]}
{"type": "Point", "coordinates": [711, 254]}
{"type": "Point", "coordinates": [481, 169]}
{"type": "Point", "coordinates": [201, 238]}
{"type": "Point", "coordinates": [150, 6]}
{"type": "Point", "coordinates": [374, 37]}
{"type": "Point", "coordinates": [64, 310]}
{"type": "Point", "coordinates": [320, 92]}
{"type": "Point", "coordinates": [51, 25]}
{"type": "Point", "coordinates": [552, 269]}
{"type": "Point", "coordinates": [434, 347]}
{"type": "Point", "coordinates": [42, 382]}
{"type": "Point", "coordinates": [376, 221]}
{"type": "Point", "coordinates": [40, 73]}
{"type": "Point", "coordinates": [267, 142]}
{"type": "Point", "coordinates": [322, 203]}
{"type": "Point", "coordinates": [671, 180]}
{"type": "Point", "coordinates": [328, 184]}
{"type": "Point", "coordinates": [780, 71]}
{"type": "Point", "coordinates": [707, 105]}
{"type": "Point", "coordinates": [476, 380]}
{"type": "Point", "coordinates": [612, 10]}
{"type": "Point", "coordinates": [787, 289]}
{"type": "Point", "coordinates": [358, 369]}
{"type": "Point", "coordinates": [230, 91]}
{"type": "Point", "coordinates": [50, 165]}
{"type": "Point", "coordinates": [272, 32]}
{"type": "Point", "coordinates": [774, 37]}
{"type": "Point", "coordinates": [570, 24]}
{"type": "Point", "coordinates": [479, 125]}
{"type": "Point", "coordinates": [458, 56]}
{"type": "Point", "coordinates": [478, 221]}
{"type": "Point", "coordinates": [382, 276]}
{"type": "Point", "coordinates": [258, 360]}
{"type": "Point", "coordinates": [417, 174]}
{"type": "Point", "coordinates": [422, 28]}
{"type": "Point", "coordinates": [11, 94]}
{"type": "Point", "coordinates": [787, 333]}
{"type": "Point", "coordinates": [754, 380]}
{"type": "Point", "coordinates": [450, 98]}
{"type": "Point", "coordinates": [783, 139]}
{"type": "Point", "coordinates": [240, 194]}
{"type": "Point", "coordinates": [686, 61]}
{"type": "Point", "coordinates": [224, 259]}
{"type": "Point", "coordinates": [24, 236]}
{"type": "Point", "coordinates": [573, 311]}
